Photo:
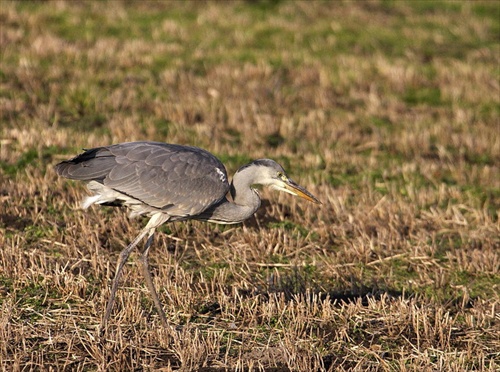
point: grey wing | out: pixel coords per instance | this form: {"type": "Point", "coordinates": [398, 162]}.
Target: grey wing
{"type": "Point", "coordinates": [180, 180]}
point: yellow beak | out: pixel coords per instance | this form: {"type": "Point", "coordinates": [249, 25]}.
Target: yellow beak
{"type": "Point", "coordinates": [294, 189]}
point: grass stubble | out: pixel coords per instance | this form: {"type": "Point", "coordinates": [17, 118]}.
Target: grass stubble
{"type": "Point", "coordinates": [389, 112]}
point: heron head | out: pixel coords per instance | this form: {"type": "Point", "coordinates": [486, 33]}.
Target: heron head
{"type": "Point", "coordinates": [269, 173]}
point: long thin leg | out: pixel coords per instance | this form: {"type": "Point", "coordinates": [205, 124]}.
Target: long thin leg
{"type": "Point", "coordinates": [149, 281]}
{"type": "Point", "coordinates": [122, 259]}
{"type": "Point", "coordinates": [155, 221]}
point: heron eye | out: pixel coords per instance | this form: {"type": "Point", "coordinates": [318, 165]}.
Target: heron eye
{"type": "Point", "coordinates": [281, 175]}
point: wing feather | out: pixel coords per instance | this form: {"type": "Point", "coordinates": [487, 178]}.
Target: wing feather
{"type": "Point", "coordinates": [181, 180]}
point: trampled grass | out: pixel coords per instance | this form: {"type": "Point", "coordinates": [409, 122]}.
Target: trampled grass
{"type": "Point", "coordinates": [387, 111]}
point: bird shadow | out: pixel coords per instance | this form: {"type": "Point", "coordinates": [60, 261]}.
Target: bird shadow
{"type": "Point", "coordinates": [296, 286]}
{"type": "Point", "coordinates": [15, 223]}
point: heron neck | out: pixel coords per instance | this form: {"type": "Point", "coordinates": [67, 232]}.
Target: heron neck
{"type": "Point", "coordinates": [243, 194]}
{"type": "Point", "coordinates": [245, 203]}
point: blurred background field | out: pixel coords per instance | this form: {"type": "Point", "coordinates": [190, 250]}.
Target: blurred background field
{"type": "Point", "coordinates": [387, 111]}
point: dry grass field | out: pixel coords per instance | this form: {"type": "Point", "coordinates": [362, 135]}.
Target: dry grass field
{"type": "Point", "coordinates": [387, 111]}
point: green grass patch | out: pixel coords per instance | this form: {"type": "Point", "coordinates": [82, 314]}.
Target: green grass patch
{"type": "Point", "coordinates": [29, 158]}
{"type": "Point", "coordinates": [423, 96]}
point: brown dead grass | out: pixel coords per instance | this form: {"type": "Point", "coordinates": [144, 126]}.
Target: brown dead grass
{"type": "Point", "coordinates": [398, 269]}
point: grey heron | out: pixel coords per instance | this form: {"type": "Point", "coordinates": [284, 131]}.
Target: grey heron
{"type": "Point", "coordinates": [169, 182]}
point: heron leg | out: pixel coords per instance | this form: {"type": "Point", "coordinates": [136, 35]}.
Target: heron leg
{"type": "Point", "coordinates": [149, 280]}
{"type": "Point", "coordinates": [122, 259]}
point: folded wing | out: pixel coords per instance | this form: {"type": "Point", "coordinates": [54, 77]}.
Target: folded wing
{"type": "Point", "coordinates": [179, 180]}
